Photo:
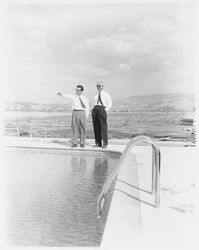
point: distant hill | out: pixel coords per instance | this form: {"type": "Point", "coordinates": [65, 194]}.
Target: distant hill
{"type": "Point", "coordinates": [156, 102]}
{"type": "Point", "coordinates": [30, 107]}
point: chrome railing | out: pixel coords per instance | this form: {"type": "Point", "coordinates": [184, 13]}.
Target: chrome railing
{"type": "Point", "coordinates": [32, 130]}
{"type": "Point", "coordinates": [156, 158]}
{"type": "Point", "coordinates": [13, 128]}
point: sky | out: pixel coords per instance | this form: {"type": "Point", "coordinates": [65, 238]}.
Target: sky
{"type": "Point", "coordinates": [135, 49]}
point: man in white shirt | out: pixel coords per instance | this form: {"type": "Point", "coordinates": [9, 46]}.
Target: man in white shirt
{"type": "Point", "coordinates": [102, 104]}
{"type": "Point", "coordinates": [80, 106]}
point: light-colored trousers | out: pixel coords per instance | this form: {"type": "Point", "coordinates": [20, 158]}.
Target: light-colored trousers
{"type": "Point", "coordinates": [78, 124]}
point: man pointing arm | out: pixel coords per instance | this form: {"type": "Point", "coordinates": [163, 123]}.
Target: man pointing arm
{"type": "Point", "coordinates": [80, 106]}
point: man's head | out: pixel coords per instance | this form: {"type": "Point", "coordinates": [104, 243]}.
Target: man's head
{"type": "Point", "coordinates": [79, 89]}
{"type": "Point", "coordinates": [100, 85]}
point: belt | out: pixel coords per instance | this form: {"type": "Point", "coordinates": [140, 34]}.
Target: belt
{"type": "Point", "coordinates": [78, 110]}
{"type": "Point", "coordinates": [100, 106]}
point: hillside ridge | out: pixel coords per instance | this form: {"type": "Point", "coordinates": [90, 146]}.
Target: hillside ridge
{"type": "Point", "coordinates": [153, 102]}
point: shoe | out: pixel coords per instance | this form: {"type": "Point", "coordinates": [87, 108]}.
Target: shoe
{"type": "Point", "coordinates": [96, 146]}
{"type": "Point", "coordinates": [104, 146]}
{"type": "Point", "coordinates": [74, 146]}
{"type": "Point", "coordinates": [82, 145]}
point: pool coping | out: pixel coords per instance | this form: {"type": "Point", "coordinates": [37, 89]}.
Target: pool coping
{"type": "Point", "coordinates": [64, 143]}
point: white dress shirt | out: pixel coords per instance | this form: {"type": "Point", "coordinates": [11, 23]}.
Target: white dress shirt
{"type": "Point", "coordinates": [76, 104]}
{"type": "Point", "coordinates": [106, 100]}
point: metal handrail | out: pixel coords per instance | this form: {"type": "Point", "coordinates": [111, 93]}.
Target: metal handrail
{"type": "Point", "coordinates": [31, 130]}
{"type": "Point", "coordinates": [13, 128]}
{"type": "Point", "coordinates": [156, 157]}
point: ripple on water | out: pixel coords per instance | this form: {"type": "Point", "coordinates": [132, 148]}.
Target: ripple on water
{"type": "Point", "coordinates": [52, 197]}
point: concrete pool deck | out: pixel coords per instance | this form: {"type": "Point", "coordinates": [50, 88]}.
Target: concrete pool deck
{"type": "Point", "coordinates": [133, 221]}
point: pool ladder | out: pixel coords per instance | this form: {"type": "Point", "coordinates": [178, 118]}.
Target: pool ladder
{"type": "Point", "coordinates": [156, 158]}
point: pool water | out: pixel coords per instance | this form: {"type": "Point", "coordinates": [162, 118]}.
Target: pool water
{"type": "Point", "coordinates": [52, 196]}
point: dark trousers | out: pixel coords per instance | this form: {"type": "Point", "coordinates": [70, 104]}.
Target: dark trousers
{"type": "Point", "coordinates": [100, 125]}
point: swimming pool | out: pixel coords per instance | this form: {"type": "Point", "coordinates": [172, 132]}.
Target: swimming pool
{"type": "Point", "coordinates": [52, 196]}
